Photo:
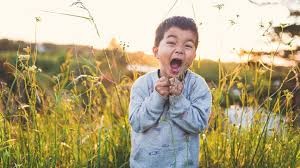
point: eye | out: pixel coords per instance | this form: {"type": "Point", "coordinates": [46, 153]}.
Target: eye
{"type": "Point", "coordinates": [171, 42]}
{"type": "Point", "coordinates": [188, 46]}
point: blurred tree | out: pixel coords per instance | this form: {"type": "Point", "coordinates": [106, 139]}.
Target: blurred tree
{"type": "Point", "coordinates": [9, 45]}
{"type": "Point", "coordinates": [290, 30]}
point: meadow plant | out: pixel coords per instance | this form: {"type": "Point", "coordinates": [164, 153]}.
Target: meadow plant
{"type": "Point", "coordinates": [84, 122]}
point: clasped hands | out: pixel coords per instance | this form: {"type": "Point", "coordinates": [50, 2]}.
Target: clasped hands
{"type": "Point", "coordinates": [168, 86]}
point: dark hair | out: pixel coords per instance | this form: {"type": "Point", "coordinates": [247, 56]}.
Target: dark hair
{"type": "Point", "coordinates": [181, 22]}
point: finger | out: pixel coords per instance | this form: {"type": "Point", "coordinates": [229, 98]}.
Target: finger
{"type": "Point", "coordinates": [163, 88]}
{"type": "Point", "coordinates": [160, 84]}
{"type": "Point", "coordinates": [177, 86]}
{"type": "Point", "coordinates": [171, 80]}
{"type": "Point", "coordinates": [163, 78]}
{"type": "Point", "coordinates": [164, 93]}
{"type": "Point", "coordinates": [176, 89]}
{"type": "Point", "coordinates": [171, 89]}
{"type": "Point", "coordinates": [164, 83]}
{"type": "Point", "coordinates": [166, 80]}
{"type": "Point", "coordinates": [180, 87]}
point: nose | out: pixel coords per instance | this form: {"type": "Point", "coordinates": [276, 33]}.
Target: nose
{"type": "Point", "coordinates": [179, 50]}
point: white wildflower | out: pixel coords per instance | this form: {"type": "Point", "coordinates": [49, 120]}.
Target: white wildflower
{"type": "Point", "coordinates": [27, 50]}
{"type": "Point", "coordinates": [23, 106]}
{"type": "Point", "coordinates": [80, 76]}
{"type": "Point", "coordinates": [24, 57]}
{"type": "Point", "coordinates": [32, 68]}
{"type": "Point", "coordinates": [204, 136]}
{"type": "Point", "coordinates": [65, 145]}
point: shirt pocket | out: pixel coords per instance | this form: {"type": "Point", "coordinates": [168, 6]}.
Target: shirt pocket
{"type": "Point", "coordinates": [160, 156]}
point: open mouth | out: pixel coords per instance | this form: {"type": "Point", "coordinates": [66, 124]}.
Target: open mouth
{"type": "Point", "coordinates": [175, 65]}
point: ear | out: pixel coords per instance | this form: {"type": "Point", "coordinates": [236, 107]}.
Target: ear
{"type": "Point", "coordinates": [155, 51]}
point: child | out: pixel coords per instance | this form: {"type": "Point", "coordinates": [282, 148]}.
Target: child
{"type": "Point", "coordinates": [170, 106]}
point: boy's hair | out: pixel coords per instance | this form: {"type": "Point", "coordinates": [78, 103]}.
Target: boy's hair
{"type": "Point", "coordinates": [181, 22]}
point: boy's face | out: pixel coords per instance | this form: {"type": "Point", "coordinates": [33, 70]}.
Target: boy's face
{"type": "Point", "coordinates": [176, 51]}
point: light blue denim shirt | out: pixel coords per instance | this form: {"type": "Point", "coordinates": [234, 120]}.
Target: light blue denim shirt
{"type": "Point", "coordinates": [165, 132]}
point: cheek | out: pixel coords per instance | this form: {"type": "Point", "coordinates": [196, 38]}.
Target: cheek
{"type": "Point", "coordinates": [164, 61]}
{"type": "Point", "coordinates": [163, 57]}
{"type": "Point", "coordinates": [191, 52]}
{"type": "Point", "coordinates": [190, 58]}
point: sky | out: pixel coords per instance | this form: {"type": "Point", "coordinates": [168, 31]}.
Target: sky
{"type": "Point", "coordinates": [239, 24]}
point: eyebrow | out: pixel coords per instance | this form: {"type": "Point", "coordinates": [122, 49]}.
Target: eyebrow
{"type": "Point", "coordinates": [171, 35]}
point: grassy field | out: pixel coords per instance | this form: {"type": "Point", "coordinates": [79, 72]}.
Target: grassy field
{"type": "Point", "coordinates": [79, 117]}
{"type": "Point", "coordinates": [69, 108]}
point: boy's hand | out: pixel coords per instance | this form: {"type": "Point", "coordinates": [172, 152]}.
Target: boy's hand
{"type": "Point", "coordinates": [175, 87]}
{"type": "Point", "coordinates": [162, 86]}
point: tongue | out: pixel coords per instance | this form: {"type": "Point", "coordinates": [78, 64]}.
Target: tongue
{"type": "Point", "coordinates": [175, 68]}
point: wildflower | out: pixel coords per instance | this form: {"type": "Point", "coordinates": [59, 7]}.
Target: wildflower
{"type": "Point", "coordinates": [94, 78]}
{"type": "Point", "coordinates": [65, 145]}
{"type": "Point", "coordinates": [27, 50]}
{"type": "Point", "coordinates": [289, 95]}
{"type": "Point", "coordinates": [240, 85]}
{"type": "Point", "coordinates": [78, 77]}
{"type": "Point", "coordinates": [84, 139]}
{"type": "Point", "coordinates": [204, 136]}
{"type": "Point", "coordinates": [24, 57]}
{"type": "Point", "coordinates": [32, 68]}
{"type": "Point", "coordinates": [38, 19]}
{"type": "Point", "coordinates": [3, 84]}
{"type": "Point", "coordinates": [261, 71]}
{"type": "Point", "coordinates": [23, 106]}
{"type": "Point", "coordinates": [101, 122]}
{"type": "Point", "coordinates": [219, 6]}
{"type": "Point", "coordinates": [98, 63]}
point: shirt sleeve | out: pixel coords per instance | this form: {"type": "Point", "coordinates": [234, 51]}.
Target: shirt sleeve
{"type": "Point", "coordinates": [192, 115]}
{"type": "Point", "coordinates": [144, 110]}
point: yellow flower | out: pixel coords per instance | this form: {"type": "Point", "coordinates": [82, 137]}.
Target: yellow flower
{"type": "Point", "coordinates": [204, 136]}
{"type": "Point", "coordinates": [24, 57]}
{"type": "Point", "coordinates": [32, 68]}
{"type": "Point", "coordinates": [240, 85]}
{"type": "Point", "coordinates": [27, 50]}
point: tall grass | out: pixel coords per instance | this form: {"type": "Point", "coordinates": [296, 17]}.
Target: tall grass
{"type": "Point", "coordinates": [83, 121]}
{"type": "Point", "coordinates": [227, 145]}
{"type": "Point", "coordinates": [79, 125]}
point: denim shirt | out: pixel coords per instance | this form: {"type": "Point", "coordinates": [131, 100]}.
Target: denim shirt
{"type": "Point", "coordinates": [165, 131]}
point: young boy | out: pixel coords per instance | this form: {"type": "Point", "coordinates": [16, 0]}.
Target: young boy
{"type": "Point", "coordinates": [170, 106]}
